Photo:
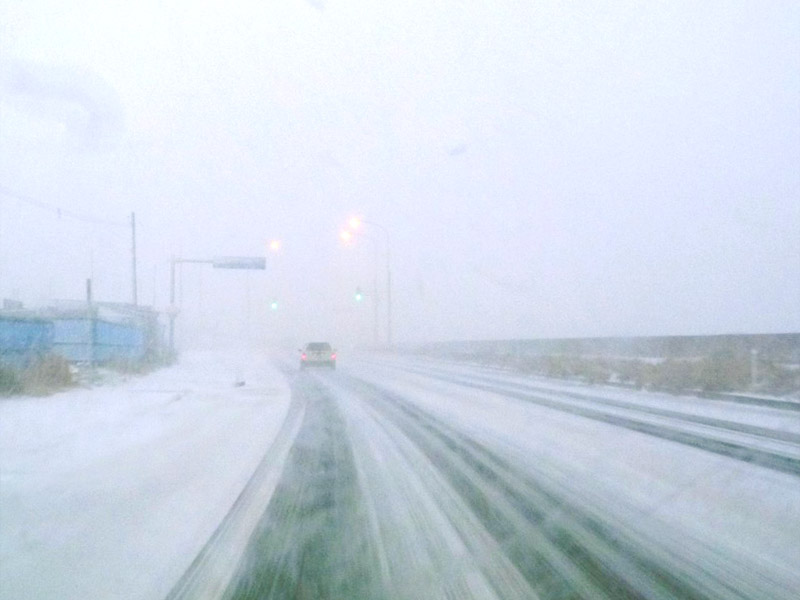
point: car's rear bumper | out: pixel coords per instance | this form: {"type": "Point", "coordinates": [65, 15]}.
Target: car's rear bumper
{"type": "Point", "coordinates": [317, 363]}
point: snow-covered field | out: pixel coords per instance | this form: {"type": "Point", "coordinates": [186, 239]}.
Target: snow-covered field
{"type": "Point", "coordinates": [111, 492]}
{"type": "Point", "coordinates": [408, 478]}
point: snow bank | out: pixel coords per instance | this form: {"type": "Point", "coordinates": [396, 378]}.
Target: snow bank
{"type": "Point", "coordinates": [111, 492]}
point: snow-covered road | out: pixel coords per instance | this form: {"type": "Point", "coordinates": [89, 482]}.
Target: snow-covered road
{"type": "Point", "coordinates": [393, 478]}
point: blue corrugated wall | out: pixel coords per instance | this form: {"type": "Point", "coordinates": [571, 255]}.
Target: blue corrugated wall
{"type": "Point", "coordinates": [76, 339]}
{"type": "Point", "coordinates": [24, 340]}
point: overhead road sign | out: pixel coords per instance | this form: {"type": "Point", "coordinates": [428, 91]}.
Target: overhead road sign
{"type": "Point", "coordinates": [240, 262]}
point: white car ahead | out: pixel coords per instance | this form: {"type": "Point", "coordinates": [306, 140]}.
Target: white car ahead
{"type": "Point", "coordinates": [318, 354]}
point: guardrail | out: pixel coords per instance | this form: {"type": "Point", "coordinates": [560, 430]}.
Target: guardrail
{"type": "Point", "coordinates": [780, 346]}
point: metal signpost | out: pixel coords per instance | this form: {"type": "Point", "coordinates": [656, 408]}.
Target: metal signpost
{"type": "Point", "coordinates": [220, 262]}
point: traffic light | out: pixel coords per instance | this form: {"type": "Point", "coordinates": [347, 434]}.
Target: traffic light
{"type": "Point", "coordinates": [273, 305]}
{"type": "Point", "coordinates": [359, 295]}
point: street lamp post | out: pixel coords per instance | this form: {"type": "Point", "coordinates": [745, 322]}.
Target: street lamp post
{"type": "Point", "coordinates": [388, 281]}
{"type": "Point", "coordinates": [355, 223]}
{"type": "Point", "coordinates": [376, 299]}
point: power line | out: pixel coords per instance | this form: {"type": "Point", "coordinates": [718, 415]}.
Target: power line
{"type": "Point", "coordinates": [60, 212]}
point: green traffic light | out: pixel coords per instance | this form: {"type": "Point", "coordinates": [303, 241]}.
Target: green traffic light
{"type": "Point", "coordinates": [359, 295]}
{"type": "Point", "coordinates": [274, 305]}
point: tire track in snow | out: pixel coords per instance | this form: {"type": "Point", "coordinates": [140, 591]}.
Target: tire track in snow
{"type": "Point", "coordinates": [561, 550]}
{"type": "Point", "coordinates": [431, 544]}
{"type": "Point", "coordinates": [721, 424]}
{"type": "Point", "coordinates": [738, 451]}
{"type": "Point", "coordinates": [314, 539]}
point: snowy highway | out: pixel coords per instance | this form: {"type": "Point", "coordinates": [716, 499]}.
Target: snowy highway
{"type": "Point", "coordinates": [324, 300]}
{"type": "Point", "coordinates": [394, 478]}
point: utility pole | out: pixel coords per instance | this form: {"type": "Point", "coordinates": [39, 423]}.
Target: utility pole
{"type": "Point", "coordinates": [92, 324]}
{"type": "Point", "coordinates": [133, 257]}
{"type": "Point", "coordinates": [172, 311]}
{"type": "Point", "coordinates": [355, 222]}
{"type": "Point", "coordinates": [388, 304]}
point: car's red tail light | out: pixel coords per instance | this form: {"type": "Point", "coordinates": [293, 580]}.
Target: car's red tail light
{"type": "Point", "coordinates": [333, 356]}
{"type": "Point", "coordinates": [303, 356]}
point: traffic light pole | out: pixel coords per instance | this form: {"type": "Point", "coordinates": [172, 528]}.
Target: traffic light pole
{"type": "Point", "coordinates": [388, 281]}
{"type": "Point", "coordinates": [347, 235]}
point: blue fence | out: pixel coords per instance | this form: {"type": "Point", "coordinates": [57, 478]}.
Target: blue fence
{"type": "Point", "coordinates": [24, 340]}
{"type": "Point", "coordinates": [87, 340]}
{"type": "Point", "coordinates": [78, 339]}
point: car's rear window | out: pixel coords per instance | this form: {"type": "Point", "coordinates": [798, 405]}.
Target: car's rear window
{"type": "Point", "coordinates": [318, 346]}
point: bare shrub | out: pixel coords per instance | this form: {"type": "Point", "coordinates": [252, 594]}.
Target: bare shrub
{"type": "Point", "coordinates": [779, 378]}
{"type": "Point", "coordinates": [9, 381]}
{"type": "Point", "coordinates": [46, 375]}
{"type": "Point", "coordinates": [634, 372]}
{"type": "Point", "coordinates": [723, 373]}
{"type": "Point", "coordinates": [672, 374]}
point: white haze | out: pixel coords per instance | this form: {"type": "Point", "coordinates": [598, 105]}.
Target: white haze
{"type": "Point", "coordinates": [601, 168]}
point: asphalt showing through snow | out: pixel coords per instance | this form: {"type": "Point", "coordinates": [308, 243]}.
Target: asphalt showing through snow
{"type": "Point", "coordinates": [313, 541]}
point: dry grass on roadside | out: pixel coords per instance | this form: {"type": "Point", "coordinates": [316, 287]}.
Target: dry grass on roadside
{"type": "Point", "coordinates": [49, 374]}
{"type": "Point", "coordinates": [46, 375]}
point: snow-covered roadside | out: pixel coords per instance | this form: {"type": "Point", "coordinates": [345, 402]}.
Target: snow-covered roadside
{"type": "Point", "coordinates": [780, 420]}
{"type": "Point", "coordinates": [111, 492]}
{"type": "Point", "coordinates": [613, 383]}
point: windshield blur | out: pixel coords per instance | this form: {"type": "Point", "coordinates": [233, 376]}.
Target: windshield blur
{"type": "Point", "coordinates": [477, 183]}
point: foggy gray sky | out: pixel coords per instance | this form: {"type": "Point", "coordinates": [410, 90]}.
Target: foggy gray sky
{"type": "Point", "coordinates": [602, 168]}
